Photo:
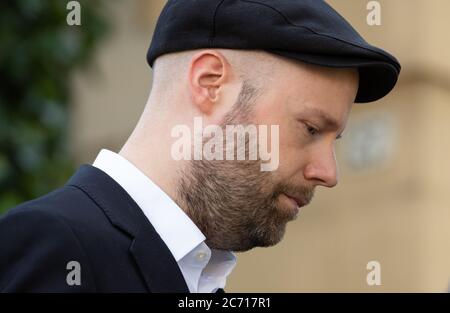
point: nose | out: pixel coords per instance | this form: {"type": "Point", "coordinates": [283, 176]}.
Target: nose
{"type": "Point", "coordinates": [322, 169]}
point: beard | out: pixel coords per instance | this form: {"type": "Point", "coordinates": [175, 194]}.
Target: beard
{"type": "Point", "coordinates": [235, 204]}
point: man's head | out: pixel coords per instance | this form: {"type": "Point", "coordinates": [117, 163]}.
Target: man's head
{"type": "Point", "coordinates": [298, 65]}
{"type": "Point", "coordinates": [235, 204]}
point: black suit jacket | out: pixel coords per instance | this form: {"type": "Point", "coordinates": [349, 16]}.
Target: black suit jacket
{"type": "Point", "coordinates": [91, 220]}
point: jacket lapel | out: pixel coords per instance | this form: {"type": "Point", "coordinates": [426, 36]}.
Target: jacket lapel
{"type": "Point", "coordinates": [157, 265]}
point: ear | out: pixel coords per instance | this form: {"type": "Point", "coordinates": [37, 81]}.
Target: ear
{"type": "Point", "coordinates": [208, 72]}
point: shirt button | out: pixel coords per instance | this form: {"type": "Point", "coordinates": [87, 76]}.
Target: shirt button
{"type": "Point", "coordinates": [201, 256]}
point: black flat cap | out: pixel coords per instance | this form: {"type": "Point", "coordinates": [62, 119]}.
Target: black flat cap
{"type": "Point", "coordinates": [306, 30]}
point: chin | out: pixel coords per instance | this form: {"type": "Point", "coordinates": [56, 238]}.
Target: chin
{"type": "Point", "coordinates": [271, 237]}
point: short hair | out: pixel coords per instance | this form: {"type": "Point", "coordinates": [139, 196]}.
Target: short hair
{"type": "Point", "coordinates": [253, 66]}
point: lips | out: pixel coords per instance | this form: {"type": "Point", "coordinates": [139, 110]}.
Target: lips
{"type": "Point", "coordinates": [300, 202]}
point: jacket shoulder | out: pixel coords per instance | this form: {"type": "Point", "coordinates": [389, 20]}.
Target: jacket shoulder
{"type": "Point", "coordinates": [38, 247]}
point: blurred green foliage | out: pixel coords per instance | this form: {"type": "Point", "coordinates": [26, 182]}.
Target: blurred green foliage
{"type": "Point", "coordinates": [38, 53]}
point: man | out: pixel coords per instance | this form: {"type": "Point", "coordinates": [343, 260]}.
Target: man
{"type": "Point", "coordinates": [146, 219]}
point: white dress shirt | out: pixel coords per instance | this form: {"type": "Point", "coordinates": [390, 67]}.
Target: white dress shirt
{"type": "Point", "coordinates": [204, 269]}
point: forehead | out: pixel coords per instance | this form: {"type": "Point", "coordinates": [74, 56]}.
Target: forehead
{"type": "Point", "coordinates": [311, 92]}
{"type": "Point", "coordinates": [319, 86]}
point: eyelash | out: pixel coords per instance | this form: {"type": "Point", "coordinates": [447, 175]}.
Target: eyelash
{"type": "Point", "coordinates": [312, 131]}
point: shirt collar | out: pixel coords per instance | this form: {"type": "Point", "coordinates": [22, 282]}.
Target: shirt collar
{"type": "Point", "coordinates": [175, 228]}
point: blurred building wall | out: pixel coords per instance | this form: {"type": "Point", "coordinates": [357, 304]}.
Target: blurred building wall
{"type": "Point", "coordinates": [392, 203]}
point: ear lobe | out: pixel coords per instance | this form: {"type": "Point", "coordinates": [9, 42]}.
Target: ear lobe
{"type": "Point", "coordinates": [206, 76]}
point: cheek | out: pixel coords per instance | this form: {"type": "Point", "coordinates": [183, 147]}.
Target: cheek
{"type": "Point", "coordinates": [291, 163]}
{"type": "Point", "coordinates": [291, 145]}
{"type": "Point", "coordinates": [293, 156]}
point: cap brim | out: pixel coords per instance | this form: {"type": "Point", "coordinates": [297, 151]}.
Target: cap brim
{"type": "Point", "coordinates": [376, 78]}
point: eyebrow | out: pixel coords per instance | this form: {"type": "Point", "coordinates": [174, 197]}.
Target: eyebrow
{"type": "Point", "coordinates": [330, 121]}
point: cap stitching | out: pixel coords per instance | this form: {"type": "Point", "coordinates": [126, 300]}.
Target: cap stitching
{"type": "Point", "coordinates": [314, 32]}
{"type": "Point", "coordinates": [213, 31]}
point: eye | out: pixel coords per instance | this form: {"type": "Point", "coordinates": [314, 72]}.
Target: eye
{"type": "Point", "coordinates": [311, 130]}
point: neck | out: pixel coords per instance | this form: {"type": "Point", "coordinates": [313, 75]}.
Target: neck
{"type": "Point", "coordinates": [150, 153]}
